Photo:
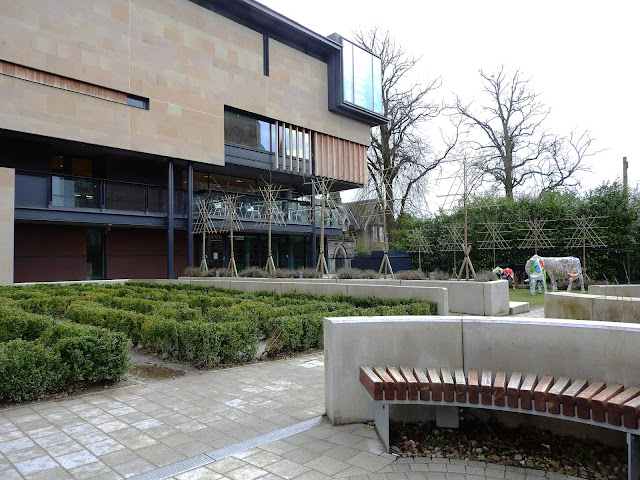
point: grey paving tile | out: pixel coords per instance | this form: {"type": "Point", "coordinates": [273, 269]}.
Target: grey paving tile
{"type": "Point", "coordinates": [57, 473]}
{"type": "Point", "coordinates": [327, 465]}
{"type": "Point", "coordinates": [134, 467]}
{"type": "Point", "coordinates": [246, 472]}
{"type": "Point", "coordinates": [226, 465]}
{"type": "Point", "coordinates": [76, 459]}
{"type": "Point", "coordinates": [369, 461]}
{"type": "Point", "coordinates": [201, 473]}
{"type": "Point", "coordinates": [36, 464]}
{"type": "Point", "coordinates": [286, 469]}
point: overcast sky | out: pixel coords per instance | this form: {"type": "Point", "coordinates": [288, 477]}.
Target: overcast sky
{"type": "Point", "coordinates": [583, 57]}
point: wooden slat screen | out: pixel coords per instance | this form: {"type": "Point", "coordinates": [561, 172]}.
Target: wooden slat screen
{"type": "Point", "coordinates": [64, 83]}
{"type": "Point", "coordinates": [340, 159]}
{"type": "Point", "coordinates": [293, 161]}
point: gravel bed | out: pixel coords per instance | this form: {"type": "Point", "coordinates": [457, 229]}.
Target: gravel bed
{"type": "Point", "coordinates": [524, 446]}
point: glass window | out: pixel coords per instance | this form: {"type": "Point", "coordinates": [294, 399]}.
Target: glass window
{"type": "Point", "coordinates": [249, 132]}
{"type": "Point", "coordinates": [347, 71]}
{"type": "Point", "coordinates": [307, 146]}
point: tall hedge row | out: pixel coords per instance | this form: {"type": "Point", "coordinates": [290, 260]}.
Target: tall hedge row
{"type": "Point", "coordinates": [613, 214]}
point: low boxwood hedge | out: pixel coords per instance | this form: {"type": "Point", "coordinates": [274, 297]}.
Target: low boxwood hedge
{"type": "Point", "coordinates": [202, 325]}
{"type": "Point", "coordinates": [41, 355]}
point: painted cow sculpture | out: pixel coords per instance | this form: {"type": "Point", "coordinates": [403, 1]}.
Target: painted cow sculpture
{"type": "Point", "coordinates": [537, 268]}
{"type": "Point", "coordinates": [506, 274]}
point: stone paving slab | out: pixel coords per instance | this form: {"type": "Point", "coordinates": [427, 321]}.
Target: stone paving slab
{"type": "Point", "coordinates": [128, 431]}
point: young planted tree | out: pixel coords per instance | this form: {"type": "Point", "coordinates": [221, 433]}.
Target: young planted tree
{"type": "Point", "coordinates": [512, 146]}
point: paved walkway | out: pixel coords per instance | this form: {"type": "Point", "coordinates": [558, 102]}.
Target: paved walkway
{"type": "Point", "coordinates": [125, 432]}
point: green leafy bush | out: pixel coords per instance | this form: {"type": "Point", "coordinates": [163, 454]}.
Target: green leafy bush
{"type": "Point", "coordinates": [41, 355]}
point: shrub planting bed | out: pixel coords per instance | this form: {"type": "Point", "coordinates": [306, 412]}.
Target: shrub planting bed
{"type": "Point", "coordinates": [204, 326]}
{"type": "Point", "coordinates": [40, 355]}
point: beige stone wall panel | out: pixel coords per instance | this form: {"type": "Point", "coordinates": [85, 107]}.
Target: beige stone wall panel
{"type": "Point", "coordinates": [7, 195]}
{"type": "Point", "coordinates": [38, 109]}
{"type": "Point", "coordinates": [175, 131]}
{"type": "Point", "coordinates": [54, 36]}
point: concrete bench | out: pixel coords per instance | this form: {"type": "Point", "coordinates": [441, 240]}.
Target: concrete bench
{"type": "Point", "coordinates": [596, 403]}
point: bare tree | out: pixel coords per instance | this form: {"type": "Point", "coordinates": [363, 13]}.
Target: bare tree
{"type": "Point", "coordinates": [400, 156]}
{"type": "Point", "coordinates": [516, 148]}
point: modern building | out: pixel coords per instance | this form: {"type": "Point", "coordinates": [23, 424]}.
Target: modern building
{"type": "Point", "coordinates": [117, 115]}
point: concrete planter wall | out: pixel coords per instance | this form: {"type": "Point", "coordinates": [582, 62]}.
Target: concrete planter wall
{"type": "Point", "coordinates": [558, 347]}
{"type": "Point", "coordinates": [592, 307]}
{"type": "Point", "coordinates": [615, 290]}
{"type": "Point", "coordinates": [471, 298]}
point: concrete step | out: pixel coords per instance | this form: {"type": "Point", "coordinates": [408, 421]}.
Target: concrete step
{"type": "Point", "coordinates": [518, 307]}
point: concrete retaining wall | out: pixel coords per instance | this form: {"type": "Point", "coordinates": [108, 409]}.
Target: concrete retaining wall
{"type": "Point", "coordinates": [592, 307]}
{"type": "Point", "coordinates": [615, 290]}
{"type": "Point", "coordinates": [329, 287]}
{"type": "Point", "coordinates": [557, 347]}
{"type": "Point", "coordinates": [470, 298]}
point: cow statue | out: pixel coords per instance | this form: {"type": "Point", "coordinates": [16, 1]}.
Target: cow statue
{"type": "Point", "coordinates": [539, 267]}
{"type": "Point", "coordinates": [505, 274]}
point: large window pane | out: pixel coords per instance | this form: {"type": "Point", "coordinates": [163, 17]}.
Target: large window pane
{"type": "Point", "coordinates": [249, 132]}
{"type": "Point", "coordinates": [347, 71]}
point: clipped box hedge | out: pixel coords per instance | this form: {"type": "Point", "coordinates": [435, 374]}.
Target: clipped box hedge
{"type": "Point", "coordinates": [204, 325]}
{"type": "Point", "coordinates": [41, 355]}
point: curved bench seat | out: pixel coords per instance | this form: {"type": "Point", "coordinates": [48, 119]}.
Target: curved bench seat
{"type": "Point", "coordinates": [590, 402]}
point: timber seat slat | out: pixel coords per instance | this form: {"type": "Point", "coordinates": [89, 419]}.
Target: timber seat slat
{"type": "Point", "coordinates": [424, 387]}
{"type": "Point", "coordinates": [448, 387]}
{"type": "Point", "coordinates": [615, 408]}
{"type": "Point", "coordinates": [474, 389]}
{"type": "Point", "coordinates": [461, 385]}
{"type": "Point", "coordinates": [486, 389]}
{"type": "Point", "coordinates": [554, 396]}
{"type": "Point", "coordinates": [500, 388]}
{"type": "Point", "coordinates": [435, 383]}
{"type": "Point", "coordinates": [513, 389]}
{"type": "Point", "coordinates": [401, 383]}
{"type": "Point", "coordinates": [583, 399]}
{"type": "Point", "coordinates": [526, 390]}
{"type": "Point", "coordinates": [569, 396]}
{"type": "Point", "coordinates": [413, 392]}
{"type": "Point", "coordinates": [540, 393]}
{"type": "Point", "coordinates": [388, 384]}
{"type": "Point", "coordinates": [599, 402]}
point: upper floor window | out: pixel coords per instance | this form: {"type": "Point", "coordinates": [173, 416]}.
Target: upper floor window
{"type": "Point", "coordinates": [249, 132]}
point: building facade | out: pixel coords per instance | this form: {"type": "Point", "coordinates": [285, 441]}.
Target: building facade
{"type": "Point", "coordinates": [117, 115]}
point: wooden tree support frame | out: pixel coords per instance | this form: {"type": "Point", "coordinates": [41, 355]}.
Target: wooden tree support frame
{"type": "Point", "coordinates": [385, 265]}
{"type": "Point", "coordinates": [466, 263]}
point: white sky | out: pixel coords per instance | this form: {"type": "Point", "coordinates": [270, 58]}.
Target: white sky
{"type": "Point", "coordinates": [583, 57]}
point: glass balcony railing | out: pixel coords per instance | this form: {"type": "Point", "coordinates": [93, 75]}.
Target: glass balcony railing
{"type": "Point", "coordinates": [251, 207]}
{"type": "Point", "coordinates": [54, 191]}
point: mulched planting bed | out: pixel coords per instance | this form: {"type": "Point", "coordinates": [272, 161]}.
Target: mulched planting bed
{"type": "Point", "coordinates": [521, 447]}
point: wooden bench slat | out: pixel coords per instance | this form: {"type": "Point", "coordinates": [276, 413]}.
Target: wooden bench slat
{"type": "Point", "coordinates": [631, 412]}
{"type": "Point", "coordinates": [500, 388]}
{"type": "Point", "coordinates": [424, 387]}
{"type": "Point", "coordinates": [513, 389]}
{"type": "Point", "coordinates": [435, 384]}
{"type": "Point", "coordinates": [448, 387]}
{"type": "Point", "coordinates": [583, 399]}
{"type": "Point", "coordinates": [412, 384]}
{"type": "Point", "coordinates": [540, 393]}
{"type": "Point", "coordinates": [371, 382]}
{"type": "Point", "coordinates": [474, 390]}
{"type": "Point", "coordinates": [568, 397]}
{"type": "Point", "coordinates": [401, 384]}
{"type": "Point", "coordinates": [616, 404]}
{"type": "Point", "coordinates": [555, 394]}
{"type": "Point", "coordinates": [526, 390]}
{"type": "Point", "coordinates": [599, 403]}
{"type": "Point", "coordinates": [461, 385]}
{"type": "Point", "coordinates": [389, 385]}
{"type": "Point", "coordinates": [486, 391]}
